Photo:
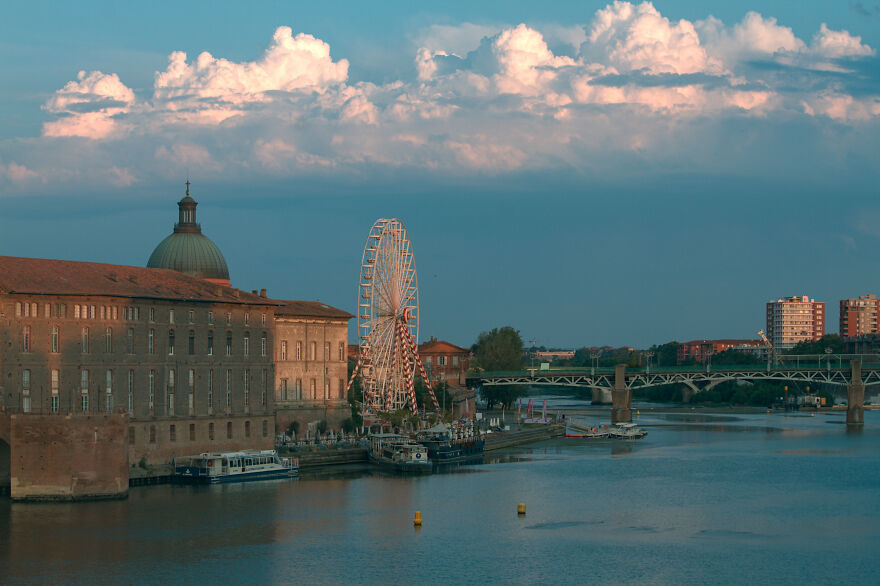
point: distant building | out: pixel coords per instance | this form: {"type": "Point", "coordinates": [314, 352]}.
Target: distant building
{"type": "Point", "coordinates": [859, 316]}
{"type": "Point", "coordinates": [699, 350]}
{"type": "Point", "coordinates": [550, 355]}
{"type": "Point", "coordinates": [791, 320]}
{"type": "Point", "coordinates": [446, 362]}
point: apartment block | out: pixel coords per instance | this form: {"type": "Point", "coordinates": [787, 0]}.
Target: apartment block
{"type": "Point", "coordinates": [791, 320]}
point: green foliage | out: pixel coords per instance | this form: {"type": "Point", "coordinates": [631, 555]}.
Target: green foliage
{"type": "Point", "coordinates": [733, 357]}
{"type": "Point", "coordinates": [666, 354]}
{"type": "Point", "coordinates": [832, 341]}
{"type": "Point", "coordinates": [322, 426]}
{"type": "Point", "coordinates": [348, 425]}
{"type": "Point", "coordinates": [293, 428]}
{"type": "Point", "coordinates": [502, 394]}
{"type": "Point", "coordinates": [660, 394]}
{"type": "Point", "coordinates": [500, 349]}
{"type": "Point", "coordinates": [355, 396]}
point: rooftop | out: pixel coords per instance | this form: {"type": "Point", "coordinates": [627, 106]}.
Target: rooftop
{"type": "Point", "coordinates": [309, 309]}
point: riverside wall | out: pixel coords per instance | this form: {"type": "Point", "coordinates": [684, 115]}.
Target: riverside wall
{"type": "Point", "coordinates": [64, 458]}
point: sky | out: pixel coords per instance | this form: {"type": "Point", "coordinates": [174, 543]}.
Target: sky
{"type": "Point", "coordinates": [589, 173]}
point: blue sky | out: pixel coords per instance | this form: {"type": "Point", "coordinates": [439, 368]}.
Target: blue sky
{"type": "Point", "coordinates": [589, 173]}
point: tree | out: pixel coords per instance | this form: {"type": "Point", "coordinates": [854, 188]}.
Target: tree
{"type": "Point", "coordinates": [500, 349]}
{"type": "Point", "coordinates": [832, 341]}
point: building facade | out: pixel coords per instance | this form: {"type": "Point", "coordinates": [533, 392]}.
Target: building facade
{"type": "Point", "coordinates": [791, 320]}
{"type": "Point", "coordinates": [189, 361]}
{"type": "Point", "coordinates": [700, 350]}
{"type": "Point", "coordinates": [445, 362]}
{"type": "Point", "coordinates": [311, 366]}
{"type": "Point", "coordinates": [859, 316]}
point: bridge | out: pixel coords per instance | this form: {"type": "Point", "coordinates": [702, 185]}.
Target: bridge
{"type": "Point", "coordinates": [854, 371]}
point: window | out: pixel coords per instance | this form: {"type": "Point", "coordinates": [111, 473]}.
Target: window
{"type": "Point", "coordinates": [341, 388]}
{"type": "Point", "coordinates": [85, 341]}
{"type": "Point", "coordinates": [265, 428]}
{"type": "Point", "coordinates": [228, 389]}
{"type": "Point", "coordinates": [170, 342]}
{"type": "Point", "coordinates": [108, 389]}
{"type": "Point", "coordinates": [228, 430]}
{"type": "Point", "coordinates": [84, 381]}
{"type": "Point", "coordinates": [247, 386]}
{"type": "Point", "coordinates": [18, 309]}
{"type": "Point", "coordinates": [263, 344]}
{"type": "Point", "coordinates": [192, 432]}
{"type": "Point", "coordinates": [171, 392]}
{"type": "Point", "coordinates": [341, 351]}
{"type": "Point", "coordinates": [284, 389]}
{"type": "Point", "coordinates": [247, 340]}
{"type": "Point", "coordinates": [210, 431]}
{"type": "Point", "coordinates": [92, 312]}
{"type": "Point", "coordinates": [131, 436]}
{"type": "Point", "coordinates": [247, 318]}
{"type": "Point", "coordinates": [150, 337]}
{"type": "Point", "coordinates": [247, 429]}
{"type": "Point", "coordinates": [264, 379]}
{"type": "Point", "coordinates": [228, 319]}
{"type": "Point", "coordinates": [26, 390]}
{"type": "Point", "coordinates": [283, 350]}
{"type": "Point", "coordinates": [313, 351]}
{"type": "Point", "coordinates": [326, 351]}
{"type": "Point", "coordinates": [455, 361]}
{"type": "Point", "coordinates": [172, 433]}
{"type": "Point", "coordinates": [263, 319]}
{"type": "Point", "coordinates": [441, 361]}
{"type": "Point", "coordinates": [326, 389]}
{"type": "Point", "coordinates": [108, 340]}
{"type": "Point", "coordinates": [152, 314]}
{"type": "Point", "coordinates": [115, 312]}
{"type": "Point", "coordinates": [313, 387]}
{"type": "Point", "coordinates": [130, 392]}
{"type": "Point", "coordinates": [211, 317]}
{"type": "Point", "coordinates": [191, 346]}
{"type": "Point", "coordinates": [152, 434]}
{"type": "Point", "coordinates": [131, 340]}
{"type": "Point", "coordinates": [152, 395]}
{"type": "Point", "coordinates": [192, 389]}
{"type": "Point", "coordinates": [299, 350]}
{"type": "Point", "coordinates": [299, 389]}
{"type": "Point", "coordinates": [229, 343]}
{"type": "Point", "coordinates": [46, 310]}
{"type": "Point", "coordinates": [75, 311]}
{"type": "Point", "coordinates": [56, 386]}
{"type": "Point", "coordinates": [171, 316]}
{"type": "Point", "coordinates": [26, 339]}
{"type": "Point", "coordinates": [210, 391]}
{"type": "Point", "coordinates": [191, 316]}
{"type": "Point", "coordinates": [55, 339]}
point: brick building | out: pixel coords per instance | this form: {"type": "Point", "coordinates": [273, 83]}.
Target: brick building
{"type": "Point", "coordinates": [700, 350]}
{"type": "Point", "coordinates": [446, 362]}
{"type": "Point", "coordinates": [795, 319]}
{"type": "Point", "coordinates": [859, 316]}
{"type": "Point", "coordinates": [311, 364]}
{"type": "Point", "coordinates": [189, 361]}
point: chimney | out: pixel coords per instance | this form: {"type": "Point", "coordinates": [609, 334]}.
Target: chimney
{"type": "Point", "coordinates": [262, 293]}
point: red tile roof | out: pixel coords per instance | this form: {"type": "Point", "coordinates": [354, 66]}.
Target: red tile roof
{"type": "Point", "coordinates": [309, 309]}
{"type": "Point", "coordinates": [37, 276]}
{"type": "Point", "coordinates": [441, 347]}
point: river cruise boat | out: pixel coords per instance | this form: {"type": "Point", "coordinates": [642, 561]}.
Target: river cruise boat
{"type": "Point", "coordinates": [398, 452]}
{"type": "Point", "coordinates": [627, 431]}
{"type": "Point", "coordinates": [456, 442]}
{"type": "Point", "coordinates": [221, 467]}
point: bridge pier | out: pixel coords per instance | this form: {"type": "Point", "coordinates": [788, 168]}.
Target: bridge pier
{"type": "Point", "coordinates": [855, 396]}
{"type": "Point", "coordinates": [601, 396]}
{"type": "Point", "coordinates": [688, 391]}
{"type": "Point", "coordinates": [621, 397]}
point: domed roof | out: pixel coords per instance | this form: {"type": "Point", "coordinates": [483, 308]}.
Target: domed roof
{"type": "Point", "coordinates": [190, 253]}
{"type": "Point", "coordinates": [187, 250]}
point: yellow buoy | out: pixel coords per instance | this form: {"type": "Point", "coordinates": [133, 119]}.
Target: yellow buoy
{"type": "Point", "coordinates": [521, 509]}
{"type": "Point", "coordinates": [417, 520]}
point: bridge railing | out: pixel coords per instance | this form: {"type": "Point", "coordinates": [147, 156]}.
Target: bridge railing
{"type": "Point", "coordinates": [785, 363]}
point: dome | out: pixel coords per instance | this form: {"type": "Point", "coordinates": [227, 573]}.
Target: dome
{"type": "Point", "coordinates": [187, 250]}
{"type": "Point", "coordinates": [190, 253]}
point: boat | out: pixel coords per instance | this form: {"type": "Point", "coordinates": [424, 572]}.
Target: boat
{"type": "Point", "coordinates": [626, 431]}
{"type": "Point", "coordinates": [455, 442]}
{"type": "Point", "coordinates": [582, 431]}
{"type": "Point", "coordinates": [246, 465]}
{"type": "Point", "coordinates": [399, 453]}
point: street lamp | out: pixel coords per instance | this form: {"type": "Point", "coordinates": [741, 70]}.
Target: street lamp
{"type": "Point", "coordinates": [648, 356]}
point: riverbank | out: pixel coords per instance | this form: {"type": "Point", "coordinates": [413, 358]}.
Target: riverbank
{"type": "Point", "coordinates": [323, 458]}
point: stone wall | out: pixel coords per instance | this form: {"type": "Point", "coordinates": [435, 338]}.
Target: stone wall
{"type": "Point", "coordinates": [68, 457]}
{"type": "Point", "coordinates": [334, 415]}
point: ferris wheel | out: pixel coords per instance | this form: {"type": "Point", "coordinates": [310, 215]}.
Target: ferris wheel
{"type": "Point", "coordinates": [388, 320]}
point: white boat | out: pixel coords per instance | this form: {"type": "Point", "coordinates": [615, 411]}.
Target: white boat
{"type": "Point", "coordinates": [398, 452]}
{"type": "Point", "coordinates": [246, 465]}
{"type": "Point", "coordinates": [626, 431]}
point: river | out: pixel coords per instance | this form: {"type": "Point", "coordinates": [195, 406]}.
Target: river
{"type": "Point", "coordinates": [707, 496]}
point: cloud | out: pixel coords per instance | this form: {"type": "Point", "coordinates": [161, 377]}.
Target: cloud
{"type": "Point", "coordinates": [89, 106]}
{"type": "Point", "coordinates": [17, 173]}
{"type": "Point", "coordinates": [481, 99]}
